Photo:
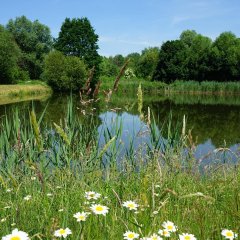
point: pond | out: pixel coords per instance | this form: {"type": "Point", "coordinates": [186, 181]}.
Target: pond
{"type": "Point", "coordinates": [214, 121]}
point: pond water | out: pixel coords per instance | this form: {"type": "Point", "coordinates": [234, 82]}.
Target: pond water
{"type": "Point", "coordinates": [214, 121]}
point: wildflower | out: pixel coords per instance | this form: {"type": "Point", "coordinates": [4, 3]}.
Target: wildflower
{"type": "Point", "coordinates": [229, 234]}
{"type": "Point", "coordinates": [58, 187]}
{"type": "Point", "coordinates": [157, 186]}
{"type": "Point", "coordinates": [186, 236]}
{"type": "Point", "coordinates": [154, 237]}
{"type": "Point", "coordinates": [92, 195]}
{"type": "Point", "coordinates": [49, 194]}
{"type": "Point", "coordinates": [18, 235]}
{"type": "Point", "coordinates": [61, 210]}
{"type": "Point", "coordinates": [99, 209]}
{"type": "Point", "coordinates": [155, 212]}
{"type": "Point", "coordinates": [169, 226]}
{"type": "Point", "coordinates": [27, 198]}
{"type": "Point", "coordinates": [164, 233]}
{"type": "Point", "coordinates": [9, 190]}
{"type": "Point", "coordinates": [130, 205]}
{"type": "Point", "coordinates": [62, 232]}
{"type": "Point", "coordinates": [3, 220]}
{"type": "Point", "coordinates": [130, 235]}
{"type": "Point", "coordinates": [33, 178]}
{"type": "Point", "coordinates": [80, 216]}
{"type": "Point", "coordinates": [13, 224]}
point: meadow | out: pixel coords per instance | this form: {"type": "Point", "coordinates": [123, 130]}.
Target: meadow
{"type": "Point", "coordinates": [58, 181]}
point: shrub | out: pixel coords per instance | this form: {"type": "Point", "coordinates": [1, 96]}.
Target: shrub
{"type": "Point", "coordinates": [64, 73]}
{"type": "Point", "coordinates": [9, 55]}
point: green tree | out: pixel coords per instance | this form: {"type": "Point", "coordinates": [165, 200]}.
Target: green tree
{"type": "Point", "coordinates": [172, 62]}
{"type": "Point", "coordinates": [9, 55]}
{"type": "Point", "coordinates": [108, 68]}
{"type": "Point", "coordinates": [188, 36]}
{"type": "Point", "coordinates": [118, 60]}
{"type": "Point", "coordinates": [134, 60]}
{"type": "Point", "coordinates": [64, 73]}
{"type": "Point", "coordinates": [35, 41]}
{"type": "Point", "coordinates": [225, 57]}
{"type": "Point", "coordinates": [197, 50]}
{"type": "Point", "coordinates": [78, 38]}
{"type": "Point", "coordinates": [147, 62]}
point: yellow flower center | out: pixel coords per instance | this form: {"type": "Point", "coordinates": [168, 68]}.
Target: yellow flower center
{"type": "Point", "coordinates": [165, 233]}
{"type": "Point", "coordinates": [81, 217]}
{"type": "Point", "coordinates": [169, 227]}
{"type": "Point", "coordinates": [99, 208]}
{"type": "Point", "coordinates": [229, 234]}
{"type": "Point", "coordinates": [92, 195]}
{"type": "Point", "coordinates": [154, 238]}
{"type": "Point", "coordinates": [131, 205]}
{"type": "Point", "coordinates": [62, 231]}
{"type": "Point", "coordinates": [131, 235]}
{"type": "Point", "coordinates": [187, 238]}
{"type": "Point", "coordinates": [15, 238]}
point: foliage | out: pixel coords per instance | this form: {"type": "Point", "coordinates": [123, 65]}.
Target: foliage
{"type": "Point", "coordinates": [108, 68]}
{"type": "Point", "coordinates": [172, 62]}
{"type": "Point", "coordinates": [78, 38]}
{"type": "Point", "coordinates": [147, 62]}
{"type": "Point", "coordinates": [129, 73]}
{"type": "Point", "coordinates": [34, 40]}
{"type": "Point", "coordinates": [9, 56]}
{"type": "Point", "coordinates": [196, 57]}
{"type": "Point", "coordinates": [64, 73]}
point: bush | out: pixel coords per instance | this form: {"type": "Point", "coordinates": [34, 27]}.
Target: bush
{"type": "Point", "coordinates": [9, 55]}
{"type": "Point", "coordinates": [64, 73]}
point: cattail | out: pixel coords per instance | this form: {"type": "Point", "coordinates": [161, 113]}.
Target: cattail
{"type": "Point", "coordinates": [140, 100]}
{"type": "Point", "coordinates": [184, 126]}
{"type": "Point", "coordinates": [106, 146]}
{"type": "Point", "coordinates": [36, 130]}
{"type": "Point", "coordinates": [149, 117]}
{"type": "Point", "coordinates": [61, 132]}
{"type": "Point", "coordinates": [89, 80]}
{"type": "Point", "coordinates": [121, 73]}
{"type": "Point", "coordinates": [96, 90]}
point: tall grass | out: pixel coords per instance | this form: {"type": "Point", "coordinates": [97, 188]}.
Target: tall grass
{"type": "Point", "coordinates": [56, 164]}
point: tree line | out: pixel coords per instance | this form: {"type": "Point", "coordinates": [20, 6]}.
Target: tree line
{"type": "Point", "coordinates": [191, 57]}
{"type": "Point", "coordinates": [28, 51]}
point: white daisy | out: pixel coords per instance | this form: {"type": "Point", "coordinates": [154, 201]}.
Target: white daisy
{"type": "Point", "coordinates": [169, 226]}
{"type": "Point", "coordinates": [130, 205]}
{"type": "Point", "coordinates": [130, 235]}
{"type": "Point", "coordinates": [27, 198]}
{"type": "Point", "coordinates": [164, 232]}
{"type": "Point", "coordinates": [99, 209]}
{"type": "Point", "coordinates": [186, 236]}
{"type": "Point", "coordinates": [92, 195]}
{"type": "Point", "coordinates": [62, 232]}
{"type": "Point", "coordinates": [81, 216]}
{"type": "Point", "coordinates": [229, 234]}
{"type": "Point", "coordinates": [16, 235]}
{"type": "Point", "coordinates": [154, 237]}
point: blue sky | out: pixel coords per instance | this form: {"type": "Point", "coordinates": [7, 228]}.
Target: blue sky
{"type": "Point", "coordinates": [126, 26]}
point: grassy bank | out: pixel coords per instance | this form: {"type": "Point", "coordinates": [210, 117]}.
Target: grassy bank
{"type": "Point", "coordinates": [24, 89]}
{"type": "Point", "coordinates": [46, 170]}
{"type": "Point", "coordinates": [190, 87]}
